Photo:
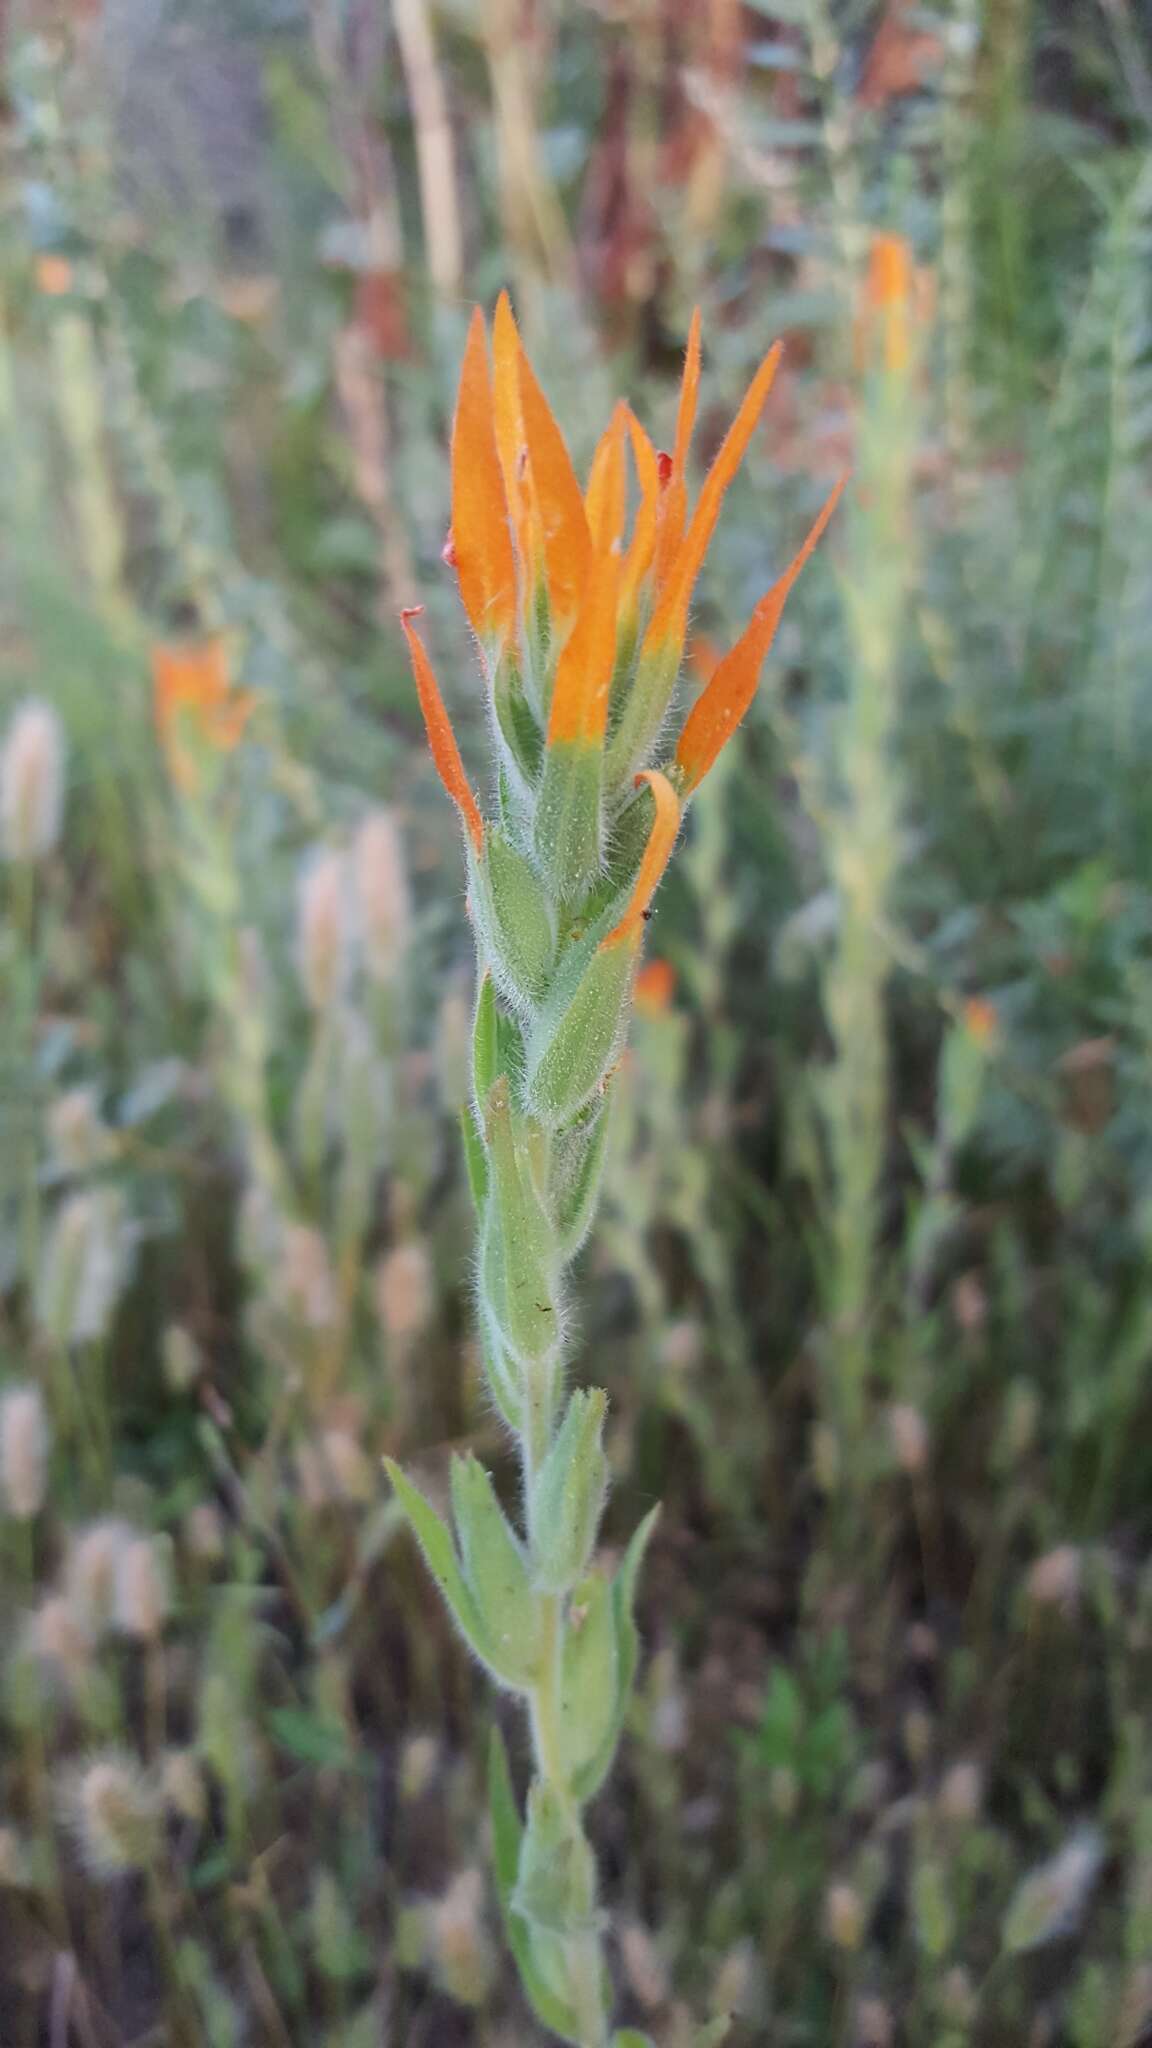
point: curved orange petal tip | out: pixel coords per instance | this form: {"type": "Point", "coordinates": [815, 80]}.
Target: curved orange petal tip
{"type": "Point", "coordinates": [670, 619]}
{"type": "Point", "coordinates": [559, 500]}
{"type": "Point", "coordinates": [657, 853]}
{"type": "Point", "coordinates": [732, 685]}
{"type": "Point", "coordinates": [583, 682]}
{"type": "Point", "coordinates": [606, 498]}
{"type": "Point", "coordinates": [674, 504]}
{"type": "Point", "coordinates": [481, 536]}
{"type": "Point", "coordinates": [641, 547]}
{"type": "Point", "coordinates": [441, 738]}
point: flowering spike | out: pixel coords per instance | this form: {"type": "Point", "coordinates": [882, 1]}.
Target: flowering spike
{"type": "Point", "coordinates": [606, 499]}
{"type": "Point", "coordinates": [481, 537]}
{"type": "Point", "coordinates": [584, 671]}
{"type": "Point", "coordinates": [657, 853]}
{"type": "Point", "coordinates": [559, 500]}
{"type": "Point", "coordinates": [669, 622]}
{"type": "Point", "coordinates": [441, 737]}
{"type": "Point", "coordinates": [732, 684]}
{"type": "Point", "coordinates": [674, 504]}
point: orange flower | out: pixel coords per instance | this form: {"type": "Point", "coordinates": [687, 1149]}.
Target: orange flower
{"type": "Point", "coordinates": [582, 622]}
{"type": "Point", "coordinates": [197, 709]}
{"type": "Point", "coordinates": [895, 301]}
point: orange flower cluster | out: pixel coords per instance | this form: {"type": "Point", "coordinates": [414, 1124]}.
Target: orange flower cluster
{"type": "Point", "coordinates": [197, 708]}
{"type": "Point", "coordinates": [581, 622]}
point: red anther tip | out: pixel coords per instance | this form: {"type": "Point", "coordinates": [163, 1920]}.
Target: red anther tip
{"type": "Point", "coordinates": [412, 611]}
{"type": "Point", "coordinates": [663, 466]}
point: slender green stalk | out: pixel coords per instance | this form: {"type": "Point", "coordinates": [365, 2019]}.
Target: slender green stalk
{"type": "Point", "coordinates": [583, 640]}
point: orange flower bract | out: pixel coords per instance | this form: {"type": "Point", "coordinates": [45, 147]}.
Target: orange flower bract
{"type": "Point", "coordinates": [481, 536]}
{"type": "Point", "coordinates": [441, 738]}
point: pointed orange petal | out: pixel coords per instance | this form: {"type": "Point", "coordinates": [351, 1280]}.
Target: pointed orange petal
{"type": "Point", "coordinates": [481, 538]}
{"type": "Point", "coordinates": [584, 671]}
{"type": "Point", "coordinates": [670, 618]}
{"type": "Point", "coordinates": [674, 504]}
{"type": "Point", "coordinates": [730, 689]}
{"type": "Point", "coordinates": [441, 737]}
{"type": "Point", "coordinates": [559, 500]}
{"type": "Point", "coordinates": [638, 558]}
{"type": "Point", "coordinates": [508, 419]}
{"type": "Point", "coordinates": [657, 853]}
{"type": "Point", "coordinates": [606, 499]}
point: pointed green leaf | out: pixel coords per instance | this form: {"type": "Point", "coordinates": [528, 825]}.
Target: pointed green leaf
{"type": "Point", "coordinates": [519, 1258]}
{"type": "Point", "coordinates": [556, 1882]}
{"type": "Point", "coordinates": [507, 1836]}
{"type": "Point", "coordinates": [440, 1557]}
{"type": "Point", "coordinates": [475, 1158]}
{"type": "Point", "coordinates": [485, 1042]}
{"type": "Point", "coordinates": [590, 1779]}
{"type": "Point", "coordinates": [513, 919]}
{"type": "Point", "coordinates": [576, 1170]}
{"type": "Point", "coordinates": [496, 1572]}
{"type": "Point", "coordinates": [567, 830]}
{"type": "Point", "coordinates": [567, 1495]}
{"type": "Point", "coordinates": [578, 1035]}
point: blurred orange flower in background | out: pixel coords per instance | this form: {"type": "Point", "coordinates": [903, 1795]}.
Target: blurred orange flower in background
{"type": "Point", "coordinates": [895, 305]}
{"type": "Point", "coordinates": [197, 708]}
{"type": "Point", "coordinates": [655, 986]}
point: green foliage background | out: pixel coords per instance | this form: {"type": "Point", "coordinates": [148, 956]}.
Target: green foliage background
{"type": "Point", "coordinates": [871, 1289]}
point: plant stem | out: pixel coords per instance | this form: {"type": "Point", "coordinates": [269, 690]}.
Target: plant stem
{"type": "Point", "coordinates": [545, 1710]}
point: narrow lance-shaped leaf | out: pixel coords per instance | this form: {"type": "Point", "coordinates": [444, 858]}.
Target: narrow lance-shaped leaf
{"type": "Point", "coordinates": [496, 1572]}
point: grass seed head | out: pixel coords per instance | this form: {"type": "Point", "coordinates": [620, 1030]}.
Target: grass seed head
{"type": "Point", "coordinates": [142, 1598]}
{"type": "Point", "coordinates": [114, 1814]}
{"type": "Point", "coordinates": [90, 1571]}
{"type": "Point", "coordinates": [32, 782]}
{"type": "Point", "coordinates": [383, 895]}
{"type": "Point", "coordinates": [323, 929]}
{"type": "Point", "coordinates": [24, 1443]}
{"type": "Point", "coordinates": [405, 1292]}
